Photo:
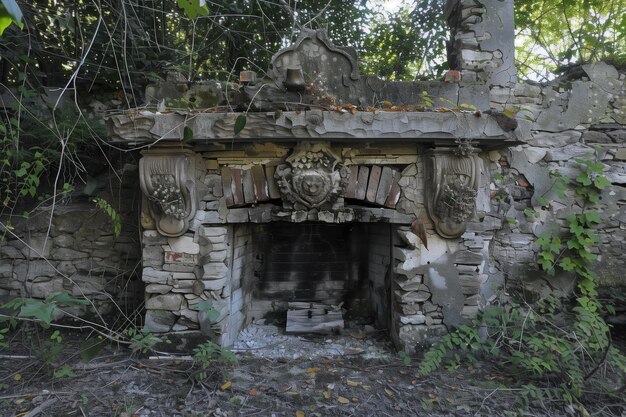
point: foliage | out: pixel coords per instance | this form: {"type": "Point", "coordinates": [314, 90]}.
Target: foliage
{"type": "Point", "coordinates": [408, 43]}
{"type": "Point", "coordinates": [553, 34]}
{"type": "Point", "coordinates": [209, 353]}
{"type": "Point", "coordinates": [111, 212]}
{"type": "Point", "coordinates": [142, 340]}
{"type": "Point", "coordinates": [9, 13]}
{"type": "Point", "coordinates": [556, 346]}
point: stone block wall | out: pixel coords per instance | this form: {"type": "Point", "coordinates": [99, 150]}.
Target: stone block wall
{"type": "Point", "coordinates": [578, 116]}
{"type": "Point", "coordinates": [72, 249]}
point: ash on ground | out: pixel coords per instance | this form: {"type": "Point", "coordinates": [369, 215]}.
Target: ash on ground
{"type": "Point", "coordinates": [271, 341]}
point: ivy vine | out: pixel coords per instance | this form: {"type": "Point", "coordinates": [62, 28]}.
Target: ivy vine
{"type": "Point", "coordinates": [555, 346]}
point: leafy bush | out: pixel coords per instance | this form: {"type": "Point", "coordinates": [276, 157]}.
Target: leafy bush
{"type": "Point", "coordinates": [556, 345]}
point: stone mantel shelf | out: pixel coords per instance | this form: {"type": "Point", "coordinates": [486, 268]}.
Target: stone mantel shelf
{"type": "Point", "coordinates": [310, 125]}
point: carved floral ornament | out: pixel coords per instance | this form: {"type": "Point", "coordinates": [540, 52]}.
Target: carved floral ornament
{"type": "Point", "coordinates": [452, 182]}
{"type": "Point", "coordinates": [167, 180]}
{"type": "Point", "coordinates": [311, 177]}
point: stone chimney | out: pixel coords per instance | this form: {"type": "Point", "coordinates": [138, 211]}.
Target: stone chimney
{"type": "Point", "coordinates": [482, 43]}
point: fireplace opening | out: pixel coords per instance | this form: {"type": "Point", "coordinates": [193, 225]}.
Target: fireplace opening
{"type": "Point", "coordinates": [319, 267]}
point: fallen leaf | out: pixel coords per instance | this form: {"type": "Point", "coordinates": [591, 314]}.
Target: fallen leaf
{"type": "Point", "coordinates": [353, 383]}
{"type": "Point", "coordinates": [17, 377]}
{"type": "Point", "coordinates": [327, 394]}
{"type": "Point", "coordinates": [226, 385]}
{"type": "Point", "coordinates": [367, 387]}
{"type": "Point", "coordinates": [19, 401]}
{"type": "Point", "coordinates": [253, 392]}
{"type": "Point", "coordinates": [299, 413]}
{"type": "Point", "coordinates": [313, 370]}
{"type": "Point", "coordinates": [389, 392]}
{"type": "Point", "coordinates": [343, 400]}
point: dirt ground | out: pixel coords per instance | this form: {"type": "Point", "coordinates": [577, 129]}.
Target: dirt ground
{"type": "Point", "coordinates": [369, 381]}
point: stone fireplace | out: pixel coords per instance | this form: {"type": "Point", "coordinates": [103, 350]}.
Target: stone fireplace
{"type": "Point", "coordinates": [326, 187]}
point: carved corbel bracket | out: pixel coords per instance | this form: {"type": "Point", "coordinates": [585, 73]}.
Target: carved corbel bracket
{"type": "Point", "coordinates": [451, 185]}
{"type": "Point", "coordinates": [312, 177]}
{"type": "Point", "coordinates": [167, 180]}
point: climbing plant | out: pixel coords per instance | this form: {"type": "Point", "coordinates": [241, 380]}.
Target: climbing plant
{"type": "Point", "coordinates": [556, 345]}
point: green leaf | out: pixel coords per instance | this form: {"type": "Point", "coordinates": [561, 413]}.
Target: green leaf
{"type": "Point", "coordinates": [64, 372]}
{"type": "Point", "coordinates": [583, 178]}
{"type": "Point", "coordinates": [5, 22]}
{"type": "Point", "coordinates": [600, 182]}
{"type": "Point", "coordinates": [207, 307]}
{"type": "Point", "coordinates": [240, 123]}
{"type": "Point", "coordinates": [37, 309]}
{"type": "Point", "coordinates": [65, 299]}
{"type": "Point", "coordinates": [193, 8]}
{"type": "Point", "coordinates": [11, 7]}
{"type": "Point", "coordinates": [592, 217]}
{"type": "Point", "coordinates": [9, 13]}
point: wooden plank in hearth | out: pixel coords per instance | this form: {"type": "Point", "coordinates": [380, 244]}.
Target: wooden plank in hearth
{"type": "Point", "coordinates": [384, 186]}
{"type": "Point", "coordinates": [372, 185]}
{"type": "Point", "coordinates": [351, 188]}
{"type": "Point", "coordinates": [237, 187]}
{"type": "Point", "coordinates": [313, 318]}
{"type": "Point", "coordinates": [227, 185]}
{"type": "Point", "coordinates": [361, 184]}
{"type": "Point", "coordinates": [394, 194]}
{"type": "Point", "coordinates": [248, 186]}
{"type": "Point", "coordinates": [272, 185]}
{"type": "Point", "coordinates": [260, 183]}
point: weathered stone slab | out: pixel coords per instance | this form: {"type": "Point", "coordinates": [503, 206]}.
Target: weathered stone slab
{"type": "Point", "coordinates": [394, 193]}
{"type": "Point", "coordinates": [210, 231]}
{"type": "Point", "coordinates": [568, 152]}
{"type": "Point", "coordinates": [171, 302]}
{"type": "Point", "coordinates": [154, 276]}
{"type": "Point", "coordinates": [413, 319]}
{"type": "Point", "coordinates": [214, 270]}
{"type": "Point", "coordinates": [411, 296]}
{"type": "Point", "coordinates": [272, 185]}
{"type": "Point", "coordinates": [172, 257]}
{"type": "Point", "coordinates": [158, 288]}
{"type": "Point", "coordinates": [361, 187]}
{"type": "Point", "coordinates": [384, 186]}
{"type": "Point", "coordinates": [237, 187]}
{"type": "Point", "coordinates": [350, 191]}
{"type": "Point", "coordinates": [227, 186]}
{"type": "Point", "coordinates": [260, 183]}
{"type": "Point", "coordinates": [372, 185]}
{"type": "Point", "coordinates": [159, 321]}
{"type": "Point", "coordinates": [248, 186]}
{"type": "Point", "coordinates": [466, 257]}
{"type": "Point", "coordinates": [183, 244]}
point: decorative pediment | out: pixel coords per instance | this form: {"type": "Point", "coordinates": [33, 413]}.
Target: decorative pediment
{"type": "Point", "coordinates": [319, 61]}
{"type": "Point", "coordinates": [452, 180]}
{"type": "Point", "coordinates": [167, 180]}
{"type": "Point", "coordinates": [311, 177]}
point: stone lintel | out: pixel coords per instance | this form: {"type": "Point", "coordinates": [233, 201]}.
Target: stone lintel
{"type": "Point", "coordinates": [311, 125]}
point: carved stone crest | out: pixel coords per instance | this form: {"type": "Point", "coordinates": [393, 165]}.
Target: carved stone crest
{"type": "Point", "coordinates": [319, 61]}
{"type": "Point", "coordinates": [452, 182]}
{"type": "Point", "coordinates": [167, 180]}
{"type": "Point", "coordinates": [311, 177]}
